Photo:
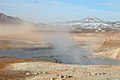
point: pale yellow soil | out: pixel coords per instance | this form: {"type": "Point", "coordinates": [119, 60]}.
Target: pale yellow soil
{"type": "Point", "coordinates": [103, 44]}
{"type": "Point", "coordinates": [114, 54]}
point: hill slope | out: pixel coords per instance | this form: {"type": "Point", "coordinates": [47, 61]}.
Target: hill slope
{"type": "Point", "coordinates": [9, 19]}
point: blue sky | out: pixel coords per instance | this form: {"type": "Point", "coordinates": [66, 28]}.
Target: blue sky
{"type": "Point", "coordinates": [61, 10]}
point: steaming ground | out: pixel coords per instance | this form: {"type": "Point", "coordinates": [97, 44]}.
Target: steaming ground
{"type": "Point", "coordinates": [67, 51]}
{"type": "Point", "coordinates": [58, 44]}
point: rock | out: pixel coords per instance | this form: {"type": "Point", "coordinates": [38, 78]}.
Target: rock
{"type": "Point", "coordinates": [61, 77]}
{"type": "Point", "coordinates": [35, 73]}
{"type": "Point", "coordinates": [70, 76]}
{"type": "Point", "coordinates": [53, 79]}
{"type": "Point", "coordinates": [44, 72]}
{"type": "Point", "coordinates": [27, 74]}
{"type": "Point", "coordinates": [96, 73]}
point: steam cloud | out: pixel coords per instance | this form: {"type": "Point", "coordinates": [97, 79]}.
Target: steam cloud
{"type": "Point", "coordinates": [65, 47]}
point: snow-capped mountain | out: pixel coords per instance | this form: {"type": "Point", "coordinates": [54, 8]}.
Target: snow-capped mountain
{"type": "Point", "coordinates": [90, 24]}
{"type": "Point", "coordinates": [92, 20]}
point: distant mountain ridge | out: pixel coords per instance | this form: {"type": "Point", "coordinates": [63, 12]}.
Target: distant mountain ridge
{"type": "Point", "coordinates": [89, 24]}
{"type": "Point", "coordinates": [9, 19]}
{"type": "Point", "coordinates": [92, 19]}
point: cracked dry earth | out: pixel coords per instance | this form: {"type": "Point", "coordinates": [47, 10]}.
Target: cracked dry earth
{"type": "Point", "coordinates": [54, 71]}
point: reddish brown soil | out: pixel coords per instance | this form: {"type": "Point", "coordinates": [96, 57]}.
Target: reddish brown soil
{"type": "Point", "coordinates": [4, 63]}
{"type": "Point", "coordinates": [12, 74]}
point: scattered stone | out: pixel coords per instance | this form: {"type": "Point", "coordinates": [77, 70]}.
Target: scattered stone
{"type": "Point", "coordinates": [61, 77]}
{"type": "Point", "coordinates": [27, 74]}
{"type": "Point", "coordinates": [70, 76]}
{"type": "Point", "coordinates": [96, 73]}
{"type": "Point", "coordinates": [53, 79]}
{"type": "Point", "coordinates": [66, 69]}
{"type": "Point", "coordinates": [35, 73]}
{"type": "Point", "coordinates": [43, 72]}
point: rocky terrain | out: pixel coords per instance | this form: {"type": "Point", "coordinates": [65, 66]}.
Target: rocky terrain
{"type": "Point", "coordinates": [53, 71]}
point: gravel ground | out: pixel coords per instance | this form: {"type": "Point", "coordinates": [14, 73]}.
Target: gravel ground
{"type": "Point", "coordinates": [55, 71]}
